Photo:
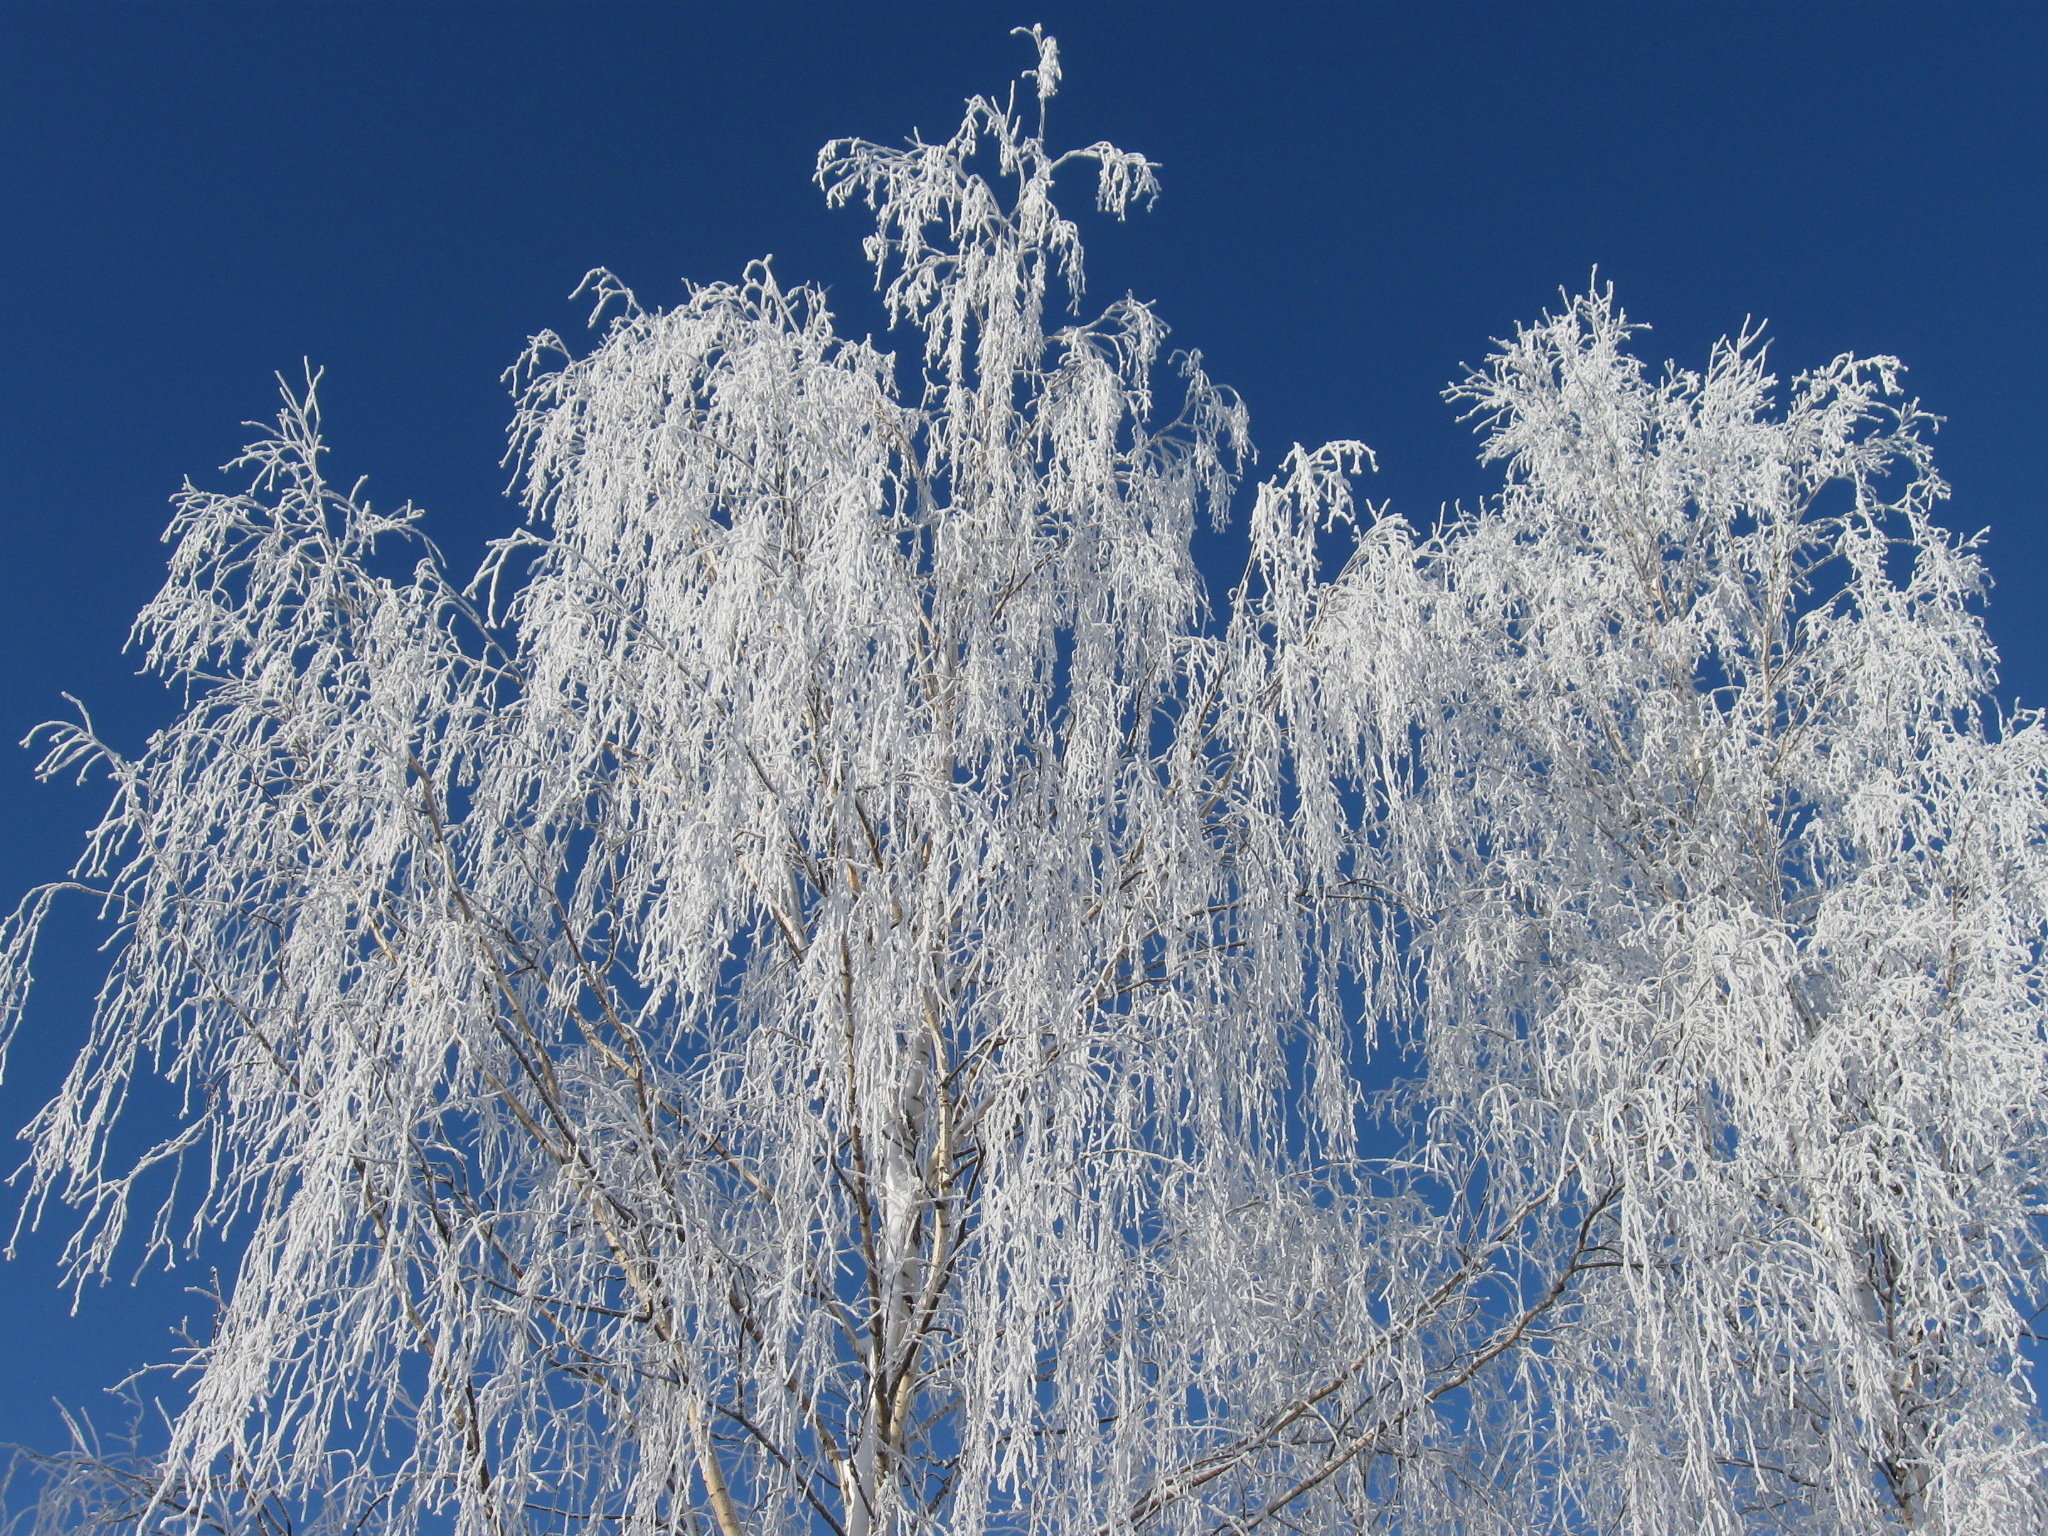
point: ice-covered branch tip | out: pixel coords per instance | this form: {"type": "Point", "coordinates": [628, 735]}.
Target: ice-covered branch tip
{"type": "Point", "coordinates": [1047, 75]}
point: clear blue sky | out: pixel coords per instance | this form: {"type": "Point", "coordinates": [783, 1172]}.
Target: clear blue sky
{"type": "Point", "coordinates": [195, 197]}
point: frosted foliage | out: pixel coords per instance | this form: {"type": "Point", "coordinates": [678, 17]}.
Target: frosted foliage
{"type": "Point", "coordinates": [828, 995]}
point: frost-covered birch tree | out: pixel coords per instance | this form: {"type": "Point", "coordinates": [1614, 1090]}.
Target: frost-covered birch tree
{"type": "Point", "coordinates": [827, 990]}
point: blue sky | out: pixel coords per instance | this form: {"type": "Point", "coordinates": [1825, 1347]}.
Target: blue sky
{"type": "Point", "coordinates": [196, 197]}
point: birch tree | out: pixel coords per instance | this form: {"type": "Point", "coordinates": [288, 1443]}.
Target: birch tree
{"type": "Point", "coordinates": [827, 990]}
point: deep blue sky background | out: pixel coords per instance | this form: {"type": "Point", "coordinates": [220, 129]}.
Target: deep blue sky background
{"type": "Point", "coordinates": [194, 197]}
